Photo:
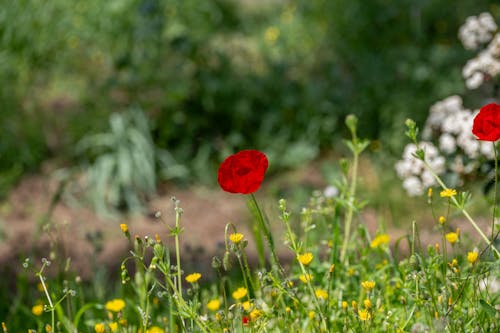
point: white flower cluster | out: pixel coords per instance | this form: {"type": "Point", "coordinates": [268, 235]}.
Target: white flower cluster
{"type": "Point", "coordinates": [477, 30]}
{"type": "Point", "coordinates": [449, 123]}
{"type": "Point", "coordinates": [416, 177]}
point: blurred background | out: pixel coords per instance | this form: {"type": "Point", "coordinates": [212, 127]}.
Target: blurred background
{"type": "Point", "coordinates": [115, 101]}
{"type": "Point", "coordinates": [213, 77]}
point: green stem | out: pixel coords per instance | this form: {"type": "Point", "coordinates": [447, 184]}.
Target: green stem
{"type": "Point", "coordinates": [177, 249]}
{"type": "Point", "coordinates": [265, 228]}
{"type": "Point", "coordinates": [495, 193]}
{"type": "Point", "coordinates": [313, 294]}
{"type": "Point", "coordinates": [350, 208]}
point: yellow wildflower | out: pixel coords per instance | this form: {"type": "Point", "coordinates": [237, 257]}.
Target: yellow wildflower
{"type": "Point", "coordinates": [381, 239]}
{"type": "Point", "coordinates": [448, 193]}
{"type": "Point", "coordinates": [354, 304]}
{"type": "Point", "coordinates": [194, 277]}
{"type": "Point", "coordinates": [312, 314]}
{"type": "Point", "coordinates": [451, 237]}
{"type": "Point", "coordinates": [368, 285]}
{"type": "Point", "coordinates": [472, 257]}
{"type": "Point", "coordinates": [213, 305]}
{"type": "Point", "coordinates": [442, 219]}
{"type": "Point", "coordinates": [124, 228]}
{"type": "Point", "coordinates": [321, 293]}
{"type": "Point", "coordinates": [99, 328]}
{"type": "Point", "coordinates": [247, 305]}
{"type": "Point", "coordinates": [344, 305]}
{"type": "Point", "coordinates": [37, 310]}
{"type": "Point", "coordinates": [305, 277]}
{"type": "Point", "coordinates": [115, 305]}
{"type": "Point", "coordinates": [429, 192]}
{"type": "Point", "coordinates": [155, 329]}
{"type": "Point", "coordinates": [236, 237]}
{"type": "Point", "coordinates": [332, 268]}
{"type": "Point", "coordinates": [113, 326]}
{"type": "Point", "coordinates": [48, 328]}
{"type": "Point", "coordinates": [364, 315]}
{"type": "Point", "coordinates": [288, 309]}
{"type": "Point", "coordinates": [305, 259]}
{"type": "Point", "coordinates": [255, 314]}
{"type": "Point", "coordinates": [367, 303]}
{"type": "Point", "coordinates": [240, 293]}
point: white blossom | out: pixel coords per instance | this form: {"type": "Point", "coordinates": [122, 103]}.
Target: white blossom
{"type": "Point", "coordinates": [413, 186]}
{"type": "Point", "coordinates": [477, 30]}
{"type": "Point", "coordinates": [447, 143]}
{"type": "Point", "coordinates": [331, 191]}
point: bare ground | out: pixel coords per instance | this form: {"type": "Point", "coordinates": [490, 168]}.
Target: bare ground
{"type": "Point", "coordinates": [76, 232]}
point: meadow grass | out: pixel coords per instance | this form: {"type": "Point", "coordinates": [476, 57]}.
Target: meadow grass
{"type": "Point", "coordinates": [341, 278]}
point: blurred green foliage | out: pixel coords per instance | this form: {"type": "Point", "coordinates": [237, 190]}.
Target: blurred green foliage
{"type": "Point", "coordinates": [217, 76]}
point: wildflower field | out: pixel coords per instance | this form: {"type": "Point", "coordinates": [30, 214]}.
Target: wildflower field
{"type": "Point", "coordinates": [315, 267]}
{"type": "Point", "coordinates": [340, 277]}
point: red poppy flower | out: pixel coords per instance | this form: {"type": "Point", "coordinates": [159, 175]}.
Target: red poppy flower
{"type": "Point", "coordinates": [487, 123]}
{"type": "Point", "coordinates": [245, 320]}
{"type": "Point", "coordinates": [243, 172]}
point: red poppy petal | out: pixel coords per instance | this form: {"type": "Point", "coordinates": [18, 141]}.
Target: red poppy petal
{"type": "Point", "coordinates": [243, 172]}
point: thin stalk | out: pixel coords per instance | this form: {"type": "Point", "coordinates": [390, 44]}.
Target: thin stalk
{"type": "Point", "coordinates": [350, 208]}
{"type": "Point", "coordinates": [177, 250]}
{"type": "Point", "coordinates": [265, 228]}
{"type": "Point", "coordinates": [52, 310]}
{"type": "Point", "coordinates": [495, 193]}
{"type": "Point", "coordinates": [313, 294]}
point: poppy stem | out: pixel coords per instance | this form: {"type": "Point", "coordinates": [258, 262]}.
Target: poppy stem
{"type": "Point", "coordinates": [264, 226]}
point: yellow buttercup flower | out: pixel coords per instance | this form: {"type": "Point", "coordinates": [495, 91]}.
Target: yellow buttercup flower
{"type": "Point", "coordinates": [240, 293]}
{"type": "Point", "coordinates": [448, 193]}
{"type": "Point", "coordinates": [113, 326]}
{"type": "Point", "coordinates": [429, 192]}
{"type": "Point", "coordinates": [255, 314]}
{"type": "Point", "coordinates": [367, 303]}
{"type": "Point", "coordinates": [321, 293]}
{"type": "Point", "coordinates": [472, 257]}
{"type": "Point", "coordinates": [442, 220]}
{"type": "Point", "coordinates": [247, 305]}
{"type": "Point", "coordinates": [381, 239]}
{"type": "Point", "coordinates": [305, 278]}
{"type": "Point", "coordinates": [368, 285]}
{"type": "Point", "coordinates": [451, 237]}
{"type": "Point", "coordinates": [37, 310]}
{"type": "Point", "coordinates": [99, 328]}
{"type": "Point", "coordinates": [124, 228]}
{"type": "Point", "coordinates": [305, 259]}
{"type": "Point", "coordinates": [236, 237]}
{"type": "Point", "coordinates": [115, 305]}
{"type": "Point", "coordinates": [312, 314]}
{"type": "Point", "coordinates": [194, 277]}
{"type": "Point", "coordinates": [155, 329]}
{"type": "Point", "coordinates": [364, 315]}
{"type": "Point", "coordinates": [213, 305]}
{"type": "Point", "coordinates": [344, 305]}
